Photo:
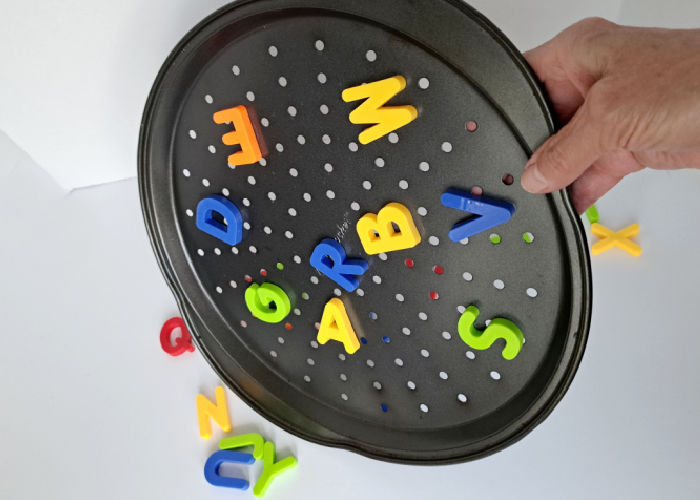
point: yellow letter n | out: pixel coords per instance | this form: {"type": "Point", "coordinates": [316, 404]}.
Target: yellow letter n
{"type": "Point", "coordinates": [383, 119]}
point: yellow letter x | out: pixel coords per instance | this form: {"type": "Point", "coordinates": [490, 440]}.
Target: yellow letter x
{"type": "Point", "coordinates": [619, 239]}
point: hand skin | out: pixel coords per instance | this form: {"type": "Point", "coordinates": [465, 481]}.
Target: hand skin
{"type": "Point", "coordinates": [628, 97]}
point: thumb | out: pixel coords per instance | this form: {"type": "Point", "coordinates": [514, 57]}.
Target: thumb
{"type": "Point", "coordinates": [566, 155]}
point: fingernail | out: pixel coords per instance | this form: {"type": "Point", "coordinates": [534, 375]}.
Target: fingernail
{"type": "Point", "coordinates": [533, 180]}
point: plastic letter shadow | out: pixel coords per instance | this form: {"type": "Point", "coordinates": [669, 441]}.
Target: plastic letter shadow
{"type": "Point", "coordinates": [489, 213]}
{"type": "Point", "coordinates": [383, 119]}
{"type": "Point", "coordinates": [498, 328]}
{"type": "Point", "coordinates": [219, 217]}
{"type": "Point", "coordinates": [377, 232]}
{"type": "Point", "coordinates": [243, 135]}
{"type": "Point", "coordinates": [330, 259]}
{"type": "Point", "coordinates": [267, 302]}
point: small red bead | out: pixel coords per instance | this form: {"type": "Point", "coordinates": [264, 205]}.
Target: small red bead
{"type": "Point", "coordinates": [408, 262]}
{"type": "Point", "coordinates": [263, 272]}
{"type": "Point", "coordinates": [438, 269]}
{"type": "Point", "coordinates": [434, 295]}
{"type": "Point", "coordinates": [288, 326]}
{"type": "Point", "coordinates": [248, 278]}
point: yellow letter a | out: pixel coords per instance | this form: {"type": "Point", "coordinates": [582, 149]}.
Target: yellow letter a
{"type": "Point", "coordinates": [218, 411]}
{"type": "Point", "coordinates": [335, 325]}
{"type": "Point", "coordinates": [387, 119]}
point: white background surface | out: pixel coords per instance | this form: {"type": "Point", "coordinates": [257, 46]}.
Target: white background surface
{"type": "Point", "coordinates": [91, 408]}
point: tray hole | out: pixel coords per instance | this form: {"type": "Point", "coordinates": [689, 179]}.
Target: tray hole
{"type": "Point", "coordinates": [219, 289]}
{"type": "Point", "coordinates": [205, 183]}
{"type": "Point", "coordinates": [423, 316]}
{"type": "Point", "coordinates": [273, 354]}
{"type": "Point", "coordinates": [326, 139]}
{"type": "Point", "coordinates": [314, 280]}
{"type": "Point", "coordinates": [398, 362]}
{"type": "Point", "coordinates": [319, 45]}
{"type": "Point", "coordinates": [208, 99]}
{"type": "Point", "coordinates": [272, 196]}
{"type": "Point", "coordinates": [297, 311]}
{"type": "Point", "coordinates": [425, 353]}
{"type": "Point", "coordinates": [495, 375]}
{"type": "Point", "coordinates": [377, 385]}
{"type": "Point", "coordinates": [233, 284]}
{"type": "Point", "coordinates": [305, 296]}
{"type": "Point", "coordinates": [406, 331]}
{"type": "Point", "coordinates": [360, 292]}
{"type": "Point", "coordinates": [337, 292]}
{"type": "Point", "coordinates": [393, 138]}
{"type": "Point", "coordinates": [244, 324]}
{"type": "Point", "coordinates": [446, 335]}
{"type": "Point", "coordinates": [507, 179]}
{"type": "Point", "coordinates": [282, 81]}
{"type": "Point", "coordinates": [462, 398]}
{"type": "Point", "coordinates": [310, 361]}
{"type": "Point", "coordinates": [246, 202]}
{"type": "Point", "coordinates": [371, 55]}
{"type": "Point", "coordinates": [301, 139]}
{"type": "Point", "coordinates": [292, 111]}
{"type": "Point", "coordinates": [307, 378]}
{"type": "Point", "coordinates": [446, 147]}
{"type": "Point", "coordinates": [328, 168]}
{"type": "Point", "coordinates": [279, 147]}
{"type": "Point", "coordinates": [186, 172]}
{"type": "Point", "coordinates": [471, 126]}
{"type": "Point", "coordinates": [280, 340]}
{"type": "Point", "coordinates": [422, 211]}
{"type": "Point", "coordinates": [330, 194]}
{"type": "Point", "coordinates": [289, 235]}
{"type": "Point", "coordinates": [470, 355]}
{"type": "Point", "coordinates": [189, 213]}
{"type": "Point", "coordinates": [217, 251]}
{"type": "Point", "coordinates": [424, 166]}
{"type": "Point", "coordinates": [379, 162]}
{"type": "Point", "coordinates": [313, 344]}
{"type": "Point", "coordinates": [377, 279]}
{"type": "Point", "coordinates": [322, 78]}
{"type": "Point", "coordinates": [424, 408]}
{"type": "Point", "coordinates": [236, 70]}
{"type": "Point", "coordinates": [370, 363]}
{"type": "Point", "coordinates": [344, 397]}
{"type": "Point", "coordinates": [531, 292]}
{"type": "Point", "coordinates": [411, 385]}
{"type": "Point", "coordinates": [382, 256]}
{"type": "Point", "coordinates": [355, 206]}
{"type": "Point", "coordinates": [341, 356]}
{"type": "Point", "coordinates": [292, 212]}
{"type": "Point", "coordinates": [467, 276]}
{"type": "Point", "coordinates": [367, 185]}
{"type": "Point", "coordinates": [400, 297]}
{"type": "Point", "coordinates": [444, 376]}
{"type": "Point", "coordinates": [264, 122]}
{"type": "Point", "coordinates": [297, 259]}
{"type": "Point", "coordinates": [307, 197]}
{"type": "Point", "coordinates": [498, 284]}
{"type": "Point", "coordinates": [343, 377]}
{"type": "Point", "coordinates": [250, 95]}
{"type": "Point", "coordinates": [403, 184]}
{"type": "Point", "coordinates": [423, 83]}
{"type": "Point", "coordinates": [272, 50]}
{"type": "Point", "coordinates": [324, 109]}
{"type": "Point", "coordinates": [353, 147]}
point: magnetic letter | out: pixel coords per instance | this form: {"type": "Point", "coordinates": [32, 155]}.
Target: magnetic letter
{"type": "Point", "coordinates": [218, 412]}
{"type": "Point", "coordinates": [182, 344]}
{"type": "Point", "coordinates": [219, 217]}
{"type": "Point", "coordinates": [489, 213]}
{"type": "Point", "coordinates": [244, 135]}
{"type": "Point", "coordinates": [254, 440]}
{"type": "Point", "coordinates": [267, 302]}
{"type": "Point", "coordinates": [384, 119]}
{"type": "Point", "coordinates": [211, 469]}
{"type": "Point", "coordinates": [335, 325]}
{"type": "Point", "coordinates": [271, 469]}
{"type": "Point", "coordinates": [330, 259]}
{"type": "Point", "coordinates": [377, 233]}
{"type": "Point", "coordinates": [498, 328]}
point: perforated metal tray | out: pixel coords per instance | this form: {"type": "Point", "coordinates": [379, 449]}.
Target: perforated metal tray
{"type": "Point", "coordinates": [414, 392]}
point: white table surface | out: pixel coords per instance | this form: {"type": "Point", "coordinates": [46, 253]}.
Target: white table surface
{"type": "Point", "coordinates": [92, 408]}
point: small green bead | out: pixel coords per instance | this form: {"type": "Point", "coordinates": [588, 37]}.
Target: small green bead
{"type": "Point", "coordinates": [495, 239]}
{"type": "Point", "coordinates": [280, 266]}
{"type": "Point", "coordinates": [528, 237]}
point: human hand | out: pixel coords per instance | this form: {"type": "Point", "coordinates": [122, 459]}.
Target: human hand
{"type": "Point", "coordinates": [628, 97]}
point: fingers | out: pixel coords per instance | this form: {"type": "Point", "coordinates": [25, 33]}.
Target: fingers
{"type": "Point", "coordinates": [601, 177]}
{"type": "Point", "coordinates": [567, 154]}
